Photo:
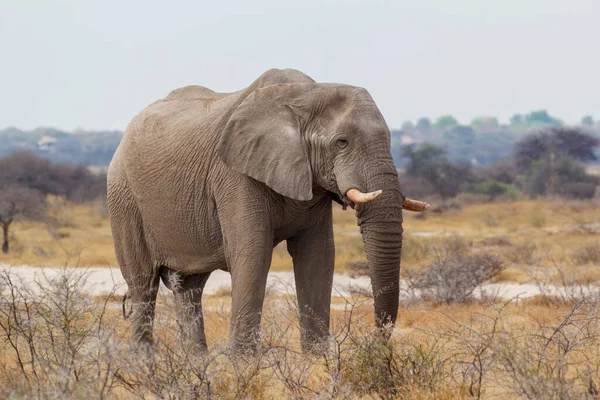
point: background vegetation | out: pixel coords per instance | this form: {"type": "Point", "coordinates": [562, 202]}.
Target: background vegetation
{"type": "Point", "coordinates": [481, 141]}
{"type": "Point", "coordinates": [484, 140]}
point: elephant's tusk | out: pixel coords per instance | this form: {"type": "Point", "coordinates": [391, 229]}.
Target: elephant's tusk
{"type": "Point", "coordinates": [415, 205]}
{"type": "Point", "coordinates": [359, 197]}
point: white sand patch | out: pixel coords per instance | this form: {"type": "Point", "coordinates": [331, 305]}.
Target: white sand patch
{"type": "Point", "coordinates": [106, 280]}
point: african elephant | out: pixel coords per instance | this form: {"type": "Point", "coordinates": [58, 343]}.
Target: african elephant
{"type": "Point", "coordinates": [204, 181]}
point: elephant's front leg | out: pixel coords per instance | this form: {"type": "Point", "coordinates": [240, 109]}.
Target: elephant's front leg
{"type": "Point", "coordinates": [249, 260]}
{"type": "Point", "coordinates": [314, 257]}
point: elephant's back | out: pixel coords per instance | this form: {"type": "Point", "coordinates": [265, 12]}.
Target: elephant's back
{"type": "Point", "coordinates": [169, 138]}
{"type": "Point", "coordinates": [194, 92]}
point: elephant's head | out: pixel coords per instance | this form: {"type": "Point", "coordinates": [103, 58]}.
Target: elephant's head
{"type": "Point", "coordinates": [296, 137]}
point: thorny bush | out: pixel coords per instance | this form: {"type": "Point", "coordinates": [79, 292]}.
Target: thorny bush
{"type": "Point", "coordinates": [454, 279]}
{"type": "Point", "coordinates": [57, 342]}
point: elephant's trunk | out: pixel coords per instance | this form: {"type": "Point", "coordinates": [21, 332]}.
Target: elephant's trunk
{"type": "Point", "coordinates": [380, 222]}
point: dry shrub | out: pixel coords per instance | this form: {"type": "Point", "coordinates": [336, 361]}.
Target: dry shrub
{"type": "Point", "coordinates": [578, 190]}
{"type": "Point", "coordinates": [42, 253]}
{"type": "Point", "coordinates": [415, 248]}
{"type": "Point", "coordinates": [496, 241]}
{"type": "Point", "coordinates": [537, 220]}
{"type": "Point", "coordinates": [450, 246]}
{"type": "Point", "coordinates": [580, 206]}
{"type": "Point", "coordinates": [360, 363]}
{"type": "Point", "coordinates": [556, 358]}
{"type": "Point", "coordinates": [223, 291]}
{"type": "Point", "coordinates": [60, 214]}
{"type": "Point", "coordinates": [360, 291]}
{"type": "Point", "coordinates": [56, 342]}
{"type": "Point", "coordinates": [525, 254]}
{"type": "Point", "coordinates": [62, 234]}
{"type": "Point", "coordinates": [356, 269]}
{"type": "Point", "coordinates": [583, 228]}
{"type": "Point", "coordinates": [512, 275]}
{"type": "Point", "coordinates": [454, 279]}
{"type": "Point", "coordinates": [511, 198]}
{"type": "Point", "coordinates": [374, 367]}
{"type": "Point", "coordinates": [554, 361]}
{"type": "Point", "coordinates": [559, 287]}
{"type": "Point", "coordinates": [446, 206]}
{"type": "Point", "coordinates": [466, 198]}
{"type": "Point", "coordinates": [99, 209]}
{"type": "Point", "coordinates": [587, 254]}
{"type": "Point", "coordinates": [491, 221]}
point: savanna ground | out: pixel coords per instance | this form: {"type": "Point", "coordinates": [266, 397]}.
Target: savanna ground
{"type": "Point", "coordinates": [58, 342]}
{"type": "Point", "coordinates": [540, 235]}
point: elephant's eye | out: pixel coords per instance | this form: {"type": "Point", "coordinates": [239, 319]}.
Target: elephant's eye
{"type": "Point", "coordinates": [342, 141]}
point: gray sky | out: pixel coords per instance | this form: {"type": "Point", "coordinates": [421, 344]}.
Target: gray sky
{"type": "Point", "coordinates": [94, 64]}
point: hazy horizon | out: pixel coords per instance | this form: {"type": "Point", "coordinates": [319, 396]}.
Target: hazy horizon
{"type": "Point", "coordinates": [81, 65]}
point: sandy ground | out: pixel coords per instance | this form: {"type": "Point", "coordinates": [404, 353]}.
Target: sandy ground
{"type": "Point", "coordinates": [105, 280]}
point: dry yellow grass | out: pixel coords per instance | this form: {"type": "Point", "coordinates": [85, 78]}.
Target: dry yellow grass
{"type": "Point", "coordinates": [543, 234]}
{"type": "Point", "coordinates": [433, 346]}
{"type": "Point", "coordinates": [74, 235]}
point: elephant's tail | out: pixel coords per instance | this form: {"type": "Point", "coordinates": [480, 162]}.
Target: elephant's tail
{"type": "Point", "coordinates": [125, 313]}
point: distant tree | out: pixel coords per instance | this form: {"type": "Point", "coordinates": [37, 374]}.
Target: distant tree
{"type": "Point", "coordinates": [534, 119]}
{"type": "Point", "coordinates": [19, 202]}
{"type": "Point", "coordinates": [587, 121]}
{"type": "Point", "coordinates": [445, 122]}
{"type": "Point", "coordinates": [430, 163]}
{"type": "Point", "coordinates": [550, 162]}
{"type": "Point", "coordinates": [407, 127]}
{"type": "Point", "coordinates": [555, 142]}
{"type": "Point", "coordinates": [563, 176]}
{"type": "Point", "coordinates": [424, 124]}
{"type": "Point", "coordinates": [489, 147]}
{"type": "Point", "coordinates": [28, 170]}
{"type": "Point", "coordinates": [541, 117]}
{"type": "Point", "coordinates": [485, 123]}
{"type": "Point", "coordinates": [517, 120]}
{"type": "Point", "coordinates": [75, 182]}
{"type": "Point", "coordinates": [422, 158]}
{"type": "Point", "coordinates": [461, 134]}
{"type": "Point", "coordinates": [504, 171]}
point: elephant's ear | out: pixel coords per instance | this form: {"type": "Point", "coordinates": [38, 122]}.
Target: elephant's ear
{"type": "Point", "coordinates": [262, 140]}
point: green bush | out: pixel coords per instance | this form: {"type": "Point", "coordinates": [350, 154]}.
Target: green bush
{"type": "Point", "coordinates": [496, 189]}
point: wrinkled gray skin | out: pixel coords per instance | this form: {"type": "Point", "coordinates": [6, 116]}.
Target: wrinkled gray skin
{"type": "Point", "coordinates": [204, 181]}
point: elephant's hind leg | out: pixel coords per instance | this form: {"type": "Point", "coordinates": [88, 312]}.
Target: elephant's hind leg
{"type": "Point", "coordinates": [143, 301]}
{"type": "Point", "coordinates": [136, 264]}
{"type": "Point", "coordinates": [187, 290]}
